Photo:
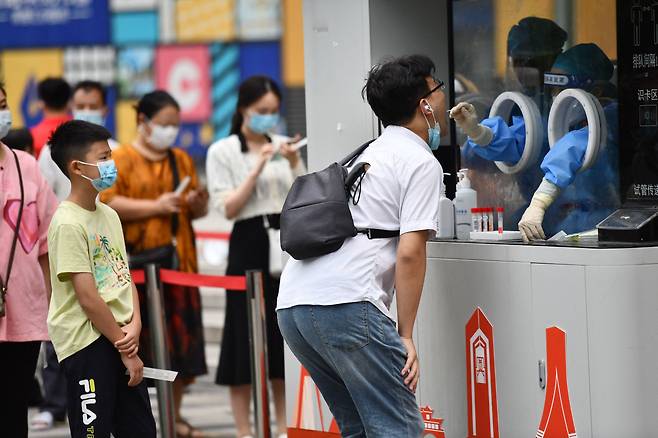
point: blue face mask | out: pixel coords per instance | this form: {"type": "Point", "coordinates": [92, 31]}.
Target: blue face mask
{"type": "Point", "coordinates": [108, 174]}
{"type": "Point", "coordinates": [433, 133]}
{"type": "Point", "coordinates": [91, 116]}
{"type": "Point", "coordinates": [263, 123]}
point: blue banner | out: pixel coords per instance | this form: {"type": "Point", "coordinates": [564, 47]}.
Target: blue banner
{"type": "Point", "coordinates": [47, 23]}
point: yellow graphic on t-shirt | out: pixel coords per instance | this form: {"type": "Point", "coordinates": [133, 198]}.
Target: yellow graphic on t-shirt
{"type": "Point", "coordinates": [110, 268]}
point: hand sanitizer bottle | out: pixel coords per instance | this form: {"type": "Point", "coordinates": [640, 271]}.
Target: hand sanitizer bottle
{"type": "Point", "coordinates": [465, 200]}
{"type": "Point", "coordinates": [446, 214]}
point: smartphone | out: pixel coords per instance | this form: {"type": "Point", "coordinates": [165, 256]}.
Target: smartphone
{"type": "Point", "coordinates": [183, 185]}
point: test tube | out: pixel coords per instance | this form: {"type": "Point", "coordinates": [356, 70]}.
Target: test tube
{"type": "Point", "coordinates": [500, 211]}
{"type": "Point", "coordinates": [490, 223]}
{"type": "Point", "coordinates": [485, 219]}
{"type": "Point", "coordinates": [475, 221]}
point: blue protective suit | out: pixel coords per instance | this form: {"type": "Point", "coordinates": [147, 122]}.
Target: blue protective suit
{"type": "Point", "coordinates": [562, 162]}
{"type": "Point", "coordinates": [507, 144]}
{"type": "Point", "coordinates": [588, 197]}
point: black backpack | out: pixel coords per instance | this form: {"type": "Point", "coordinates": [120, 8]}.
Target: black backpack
{"type": "Point", "coordinates": [316, 217]}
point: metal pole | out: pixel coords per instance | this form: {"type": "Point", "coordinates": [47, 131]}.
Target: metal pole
{"type": "Point", "coordinates": [160, 353]}
{"type": "Point", "coordinates": [258, 350]}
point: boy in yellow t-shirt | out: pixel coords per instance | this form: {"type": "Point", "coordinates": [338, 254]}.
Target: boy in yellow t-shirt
{"type": "Point", "coordinates": [94, 320]}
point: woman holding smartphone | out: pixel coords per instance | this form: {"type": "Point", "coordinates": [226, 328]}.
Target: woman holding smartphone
{"type": "Point", "coordinates": [249, 175]}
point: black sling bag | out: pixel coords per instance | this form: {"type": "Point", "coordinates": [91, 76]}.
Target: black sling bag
{"type": "Point", "coordinates": [316, 218]}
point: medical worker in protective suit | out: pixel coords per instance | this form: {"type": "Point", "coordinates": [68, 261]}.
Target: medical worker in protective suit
{"type": "Point", "coordinates": [594, 193]}
{"type": "Point", "coordinates": [583, 199]}
{"type": "Point", "coordinates": [532, 47]}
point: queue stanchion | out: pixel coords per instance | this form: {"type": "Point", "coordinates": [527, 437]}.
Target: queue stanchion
{"type": "Point", "coordinates": [252, 284]}
{"type": "Point", "coordinates": [258, 351]}
{"type": "Point", "coordinates": [155, 304]}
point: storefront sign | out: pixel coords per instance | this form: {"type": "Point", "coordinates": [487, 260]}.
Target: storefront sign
{"type": "Point", "coordinates": [26, 23]}
{"type": "Point", "coordinates": [184, 71]}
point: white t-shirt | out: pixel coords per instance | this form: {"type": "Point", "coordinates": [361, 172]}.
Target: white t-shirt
{"type": "Point", "coordinates": [227, 167]}
{"type": "Point", "coordinates": [400, 191]}
{"type": "Point", "coordinates": [56, 179]}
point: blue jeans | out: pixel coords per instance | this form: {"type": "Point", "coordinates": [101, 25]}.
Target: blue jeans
{"type": "Point", "coordinates": [354, 355]}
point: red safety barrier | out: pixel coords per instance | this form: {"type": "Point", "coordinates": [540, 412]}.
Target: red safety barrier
{"type": "Point", "coordinates": [212, 235]}
{"type": "Point", "coordinates": [232, 282]}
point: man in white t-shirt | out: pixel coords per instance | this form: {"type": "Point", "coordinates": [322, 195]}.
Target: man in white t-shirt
{"type": "Point", "coordinates": [334, 310]}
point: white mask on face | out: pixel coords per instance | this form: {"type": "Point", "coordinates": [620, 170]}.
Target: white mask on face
{"type": "Point", "coordinates": [5, 123]}
{"type": "Point", "coordinates": [162, 137]}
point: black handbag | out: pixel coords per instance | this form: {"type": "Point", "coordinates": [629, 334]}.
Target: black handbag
{"type": "Point", "coordinates": [316, 218]}
{"type": "Point", "coordinates": [4, 282]}
{"type": "Point", "coordinates": [164, 256]}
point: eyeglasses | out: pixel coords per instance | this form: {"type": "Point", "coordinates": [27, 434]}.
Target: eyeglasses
{"type": "Point", "coordinates": [440, 86]}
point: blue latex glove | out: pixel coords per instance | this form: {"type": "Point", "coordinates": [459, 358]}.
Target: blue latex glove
{"type": "Point", "coordinates": [562, 162]}
{"type": "Point", "coordinates": [508, 141]}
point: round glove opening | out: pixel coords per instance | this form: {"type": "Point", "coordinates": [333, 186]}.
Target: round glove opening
{"type": "Point", "coordinates": [534, 130]}
{"type": "Point", "coordinates": [559, 119]}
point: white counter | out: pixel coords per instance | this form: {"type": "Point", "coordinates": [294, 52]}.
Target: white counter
{"type": "Point", "coordinates": [606, 300]}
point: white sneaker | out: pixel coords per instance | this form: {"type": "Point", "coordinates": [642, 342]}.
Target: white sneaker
{"type": "Point", "coordinates": [42, 421]}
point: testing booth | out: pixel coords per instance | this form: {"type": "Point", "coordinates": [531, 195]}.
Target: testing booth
{"type": "Point", "coordinates": [548, 339]}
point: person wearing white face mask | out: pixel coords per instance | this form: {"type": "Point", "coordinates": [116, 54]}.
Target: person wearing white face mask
{"type": "Point", "coordinates": [155, 217]}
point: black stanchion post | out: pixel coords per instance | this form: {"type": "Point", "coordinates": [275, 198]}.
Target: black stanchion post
{"type": "Point", "coordinates": [258, 350]}
{"type": "Point", "coordinates": [159, 348]}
